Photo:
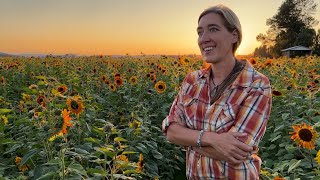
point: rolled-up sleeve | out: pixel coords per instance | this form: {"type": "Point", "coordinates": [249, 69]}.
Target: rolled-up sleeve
{"type": "Point", "coordinates": [177, 111]}
{"type": "Point", "coordinates": [253, 116]}
{"type": "Point", "coordinates": [176, 114]}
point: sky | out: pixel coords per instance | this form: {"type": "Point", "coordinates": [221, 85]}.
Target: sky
{"type": "Point", "coordinates": [109, 27]}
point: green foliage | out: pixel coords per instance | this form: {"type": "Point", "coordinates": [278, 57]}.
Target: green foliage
{"type": "Point", "coordinates": [290, 26]}
{"type": "Point", "coordinates": [118, 134]}
{"type": "Point", "coordinates": [115, 135]}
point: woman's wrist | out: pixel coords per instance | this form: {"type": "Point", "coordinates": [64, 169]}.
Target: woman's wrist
{"type": "Point", "coordinates": [208, 138]}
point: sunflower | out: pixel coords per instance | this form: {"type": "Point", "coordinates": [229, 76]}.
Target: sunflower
{"type": "Point", "coordinates": [26, 97]}
{"type": "Point", "coordinates": [276, 93]}
{"type": "Point", "coordinates": [75, 104]}
{"type": "Point", "coordinates": [117, 75]}
{"type": "Point", "coordinates": [4, 119]}
{"type": "Point", "coordinates": [183, 60]}
{"type": "Point", "coordinates": [268, 62]}
{"type": "Point", "coordinates": [103, 78]}
{"type": "Point", "coordinates": [164, 70]}
{"type": "Point", "coordinates": [152, 71]}
{"type": "Point", "coordinates": [66, 120]}
{"type": "Point", "coordinates": [118, 81]}
{"type": "Point", "coordinates": [18, 160]}
{"type": "Point", "coordinates": [318, 157]}
{"type": "Point", "coordinates": [304, 135]}
{"type": "Point", "coordinates": [122, 158]}
{"type": "Point", "coordinates": [135, 124]}
{"type": "Point", "coordinates": [133, 80]}
{"type": "Point", "coordinates": [160, 86]}
{"type": "Point", "coordinates": [112, 87]}
{"type": "Point", "coordinates": [3, 81]}
{"type": "Point", "coordinates": [41, 100]}
{"type": "Point", "coordinates": [33, 86]}
{"type": "Point", "coordinates": [278, 178]}
{"type": "Point", "coordinates": [62, 89]}
{"type": "Point", "coordinates": [153, 77]}
{"type": "Point", "coordinates": [253, 61]}
{"type": "Point", "coordinates": [140, 164]}
{"type": "Point", "coordinates": [55, 136]}
{"type": "Point", "coordinates": [22, 168]}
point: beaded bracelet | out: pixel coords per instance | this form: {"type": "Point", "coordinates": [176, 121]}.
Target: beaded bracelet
{"type": "Point", "coordinates": [199, 138]}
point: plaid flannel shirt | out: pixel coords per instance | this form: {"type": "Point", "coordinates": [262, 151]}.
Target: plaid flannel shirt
{"type": "Point", "coordinates": [243, 107]}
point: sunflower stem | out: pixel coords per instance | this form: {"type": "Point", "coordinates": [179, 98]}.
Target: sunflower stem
{"type": "Point", "coordinates": [79, 134]}
{"type": "Point", "coordinates": [302, 153]}
{"type": "Point", "coordinates": [311, 159]}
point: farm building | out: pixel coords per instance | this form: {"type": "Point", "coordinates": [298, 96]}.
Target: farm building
{"type": "Point", "coordinates": [296, 51]}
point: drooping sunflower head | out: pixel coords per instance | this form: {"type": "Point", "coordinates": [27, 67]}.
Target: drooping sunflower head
{"type": "Point", "coordinates": [62, 89]}
{"type": "Point", "coordinates": [304, 135]}
{"type": "Point", "coordinates": [160, 86]}
{"type": "Point", "coordinates": [133, 80]}
{"type": "Point", "coordinates": [276, 93]}
{"type": "Point", "coordinates": [75, 104]}
{"type": "Point", "coordinates": [112, 87]}
{"type": "Point", "coordinates": [164, 70]}
{"type": "Point", "coordinates": [41, 100]}
{"type": "Point", "coordinates": [140, 164]}
{"type": "Point", "coordinates": [123, 158]}
{"type": "Point", "coordinates": [153, 77]}
{"type": "Point", "coordinates": [3, 81]}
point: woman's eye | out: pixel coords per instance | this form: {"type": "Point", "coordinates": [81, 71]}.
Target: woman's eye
{"type": "Point", "coordinates": [199, 33]}
{"type": "Point", "coordinates": [213, 29]}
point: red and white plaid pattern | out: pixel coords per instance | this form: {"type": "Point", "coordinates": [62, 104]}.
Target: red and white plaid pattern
{"type": "Point", "coordinates": [243, 107]}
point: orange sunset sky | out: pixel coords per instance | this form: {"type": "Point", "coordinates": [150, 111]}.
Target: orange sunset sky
{"type": "Point", "coordinates": [91, 27]}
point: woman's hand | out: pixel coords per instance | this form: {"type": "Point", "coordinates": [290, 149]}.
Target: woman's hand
{"type": "Point", "coordinates": [226, 147]}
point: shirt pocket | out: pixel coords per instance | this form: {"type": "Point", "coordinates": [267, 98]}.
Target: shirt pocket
{"type": "Point", "coordinates": [227, 117]}
{"type": "Point", "coordinates": [190, 108]}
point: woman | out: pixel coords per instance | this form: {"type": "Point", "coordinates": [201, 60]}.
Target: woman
{"type": "Point", "coordinates": [221, 112]}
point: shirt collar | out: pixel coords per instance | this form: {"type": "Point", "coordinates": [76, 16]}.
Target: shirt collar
{"type": "Point", "coordinates": [244, 79]}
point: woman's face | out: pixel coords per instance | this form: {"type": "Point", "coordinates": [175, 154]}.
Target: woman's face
{"type": "Point", "coordinates": [214, 40]}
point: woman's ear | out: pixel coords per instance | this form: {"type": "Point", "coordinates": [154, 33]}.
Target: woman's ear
{"type": "Point", "coordinates": [234, 36]}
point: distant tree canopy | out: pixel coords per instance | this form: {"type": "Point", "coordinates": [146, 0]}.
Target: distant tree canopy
{"type": "Point", "coordinates": [291, 26]}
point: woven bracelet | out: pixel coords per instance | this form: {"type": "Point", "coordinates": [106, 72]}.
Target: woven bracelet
{"type": "Point", "coordinates": [199, 138]}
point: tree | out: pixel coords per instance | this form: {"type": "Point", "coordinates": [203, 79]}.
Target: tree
{"type": "Point", "coordinates": [316, 46]}
{"type": "Point", "coordinates": [291, 26]}
{"type": "Point", "coordinates": [262, 51]}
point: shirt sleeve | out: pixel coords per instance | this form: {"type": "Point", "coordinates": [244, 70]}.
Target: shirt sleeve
{"type": "Point", "coordinates": [253, 116]}
{"type": "Point", "coordinates": [176, 114]}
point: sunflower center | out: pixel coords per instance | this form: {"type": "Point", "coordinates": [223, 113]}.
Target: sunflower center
{"type": "Point", "coordinates": [305, 135]}
{"type": "Point", "coordinates": [60, 89]}
{"type": "Point", "coordinates": [160, 86]}
{"type": "Point", "coordinates": [74, 104]}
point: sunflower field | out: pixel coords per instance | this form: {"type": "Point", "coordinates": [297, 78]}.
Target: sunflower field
{"type": "Point", "coordinates": [100, 117]}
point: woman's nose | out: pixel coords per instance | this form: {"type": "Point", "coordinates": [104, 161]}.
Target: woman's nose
{"type": "Point", "coordinates": [203, 38]}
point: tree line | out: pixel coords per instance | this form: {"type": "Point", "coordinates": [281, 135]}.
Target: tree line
{"type": "Point", "coordinates": [292, 25]}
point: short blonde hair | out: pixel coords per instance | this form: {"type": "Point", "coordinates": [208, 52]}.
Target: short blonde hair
{"type": "Point", "coordinates": [230, 19]}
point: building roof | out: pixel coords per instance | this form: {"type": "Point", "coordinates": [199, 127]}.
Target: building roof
{"type": "Point", "coordinates": [297, 48]}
